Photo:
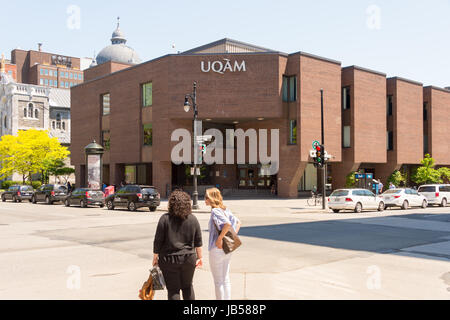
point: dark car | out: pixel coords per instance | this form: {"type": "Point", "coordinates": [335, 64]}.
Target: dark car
{"type": "Point", "coordinates": [134, 197]}
{"type": "Point", "coordinates": [85, 197]}
{"type": "Point", "coordinates": [50, 193]}
{"type": "Point", "coordinates": [18, 193]}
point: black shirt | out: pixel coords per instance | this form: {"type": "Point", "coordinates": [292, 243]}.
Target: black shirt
{"type": "Point", "coordinates": [177, 237]}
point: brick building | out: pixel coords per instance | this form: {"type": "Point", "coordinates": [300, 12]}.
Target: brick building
{"type": "Point", "coordinates": [46, 69]}
{"type": "Point", "coordinates": [133, 110]}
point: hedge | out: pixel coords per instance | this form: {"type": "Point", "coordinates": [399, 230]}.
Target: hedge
{"type": "Point", "coordinates": [6, 184]}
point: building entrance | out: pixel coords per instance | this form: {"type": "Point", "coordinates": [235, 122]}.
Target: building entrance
{"type": "Point", "coordinates": [253, 177]}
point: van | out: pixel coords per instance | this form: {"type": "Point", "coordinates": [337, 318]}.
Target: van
{"type": "Point", "coordinates": [436, 193]}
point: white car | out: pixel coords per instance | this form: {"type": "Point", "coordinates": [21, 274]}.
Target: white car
{"type": "Point", "coordinates": [355, 200]}
{"type": "Point", "coordinates": [404, 198]}
{"type": "Point", "coordinates": [436, 193]}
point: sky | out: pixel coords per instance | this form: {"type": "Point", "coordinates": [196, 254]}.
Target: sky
{"type": "Point", "coordinates": [405, 38]}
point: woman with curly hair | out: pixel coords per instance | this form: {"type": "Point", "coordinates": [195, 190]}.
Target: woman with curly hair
{"type": "Point", "coordinates": [221, 219]}
{"type": "Point", "coordinates": [177, 247]}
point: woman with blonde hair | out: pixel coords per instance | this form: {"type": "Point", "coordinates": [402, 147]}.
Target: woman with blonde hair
{"type": "Point", "coordinates": [221, 219]}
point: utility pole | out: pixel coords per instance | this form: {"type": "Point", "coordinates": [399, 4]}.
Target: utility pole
{"type": "Point", "coordinates": [324, 164]}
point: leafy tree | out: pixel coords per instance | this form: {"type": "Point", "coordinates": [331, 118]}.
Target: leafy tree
{"type": "Point", "coordinates": [350, 180]}
{"type": "Point", "coordinates": [65, 172]}
{"type": "Point", "coordinates": [397, 178]}
{"type": "Point", "coordinates": [445, 174]}
{"type": "Point", "coordinates": [30, 152]}
{"type": "Point", "coordinates": [426, 173]}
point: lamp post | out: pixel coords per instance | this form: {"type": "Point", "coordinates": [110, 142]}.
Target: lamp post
{"type": "Point", "coordinates": [94, 165]}
{"type": "Point", "coordinates": [187, 106]}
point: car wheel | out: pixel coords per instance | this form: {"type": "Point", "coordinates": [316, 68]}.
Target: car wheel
{"type": "Point", "coordinates": [444, 202]}
{"type": "Point", "coordinates": [131, 206]}
{"type": "Point", "coordinates": [47, 200]}
{"type": "Point", "coordinates": [358, 207]}
{"type": "Point", "coordinates": [3, 198]}
{"type": "Point", "coordinates": [110, 205]}
{"type": "Point", "coordinates": [381, 206]}
{"type": "Point", "coordinates": [33, 200]}
{"type": "Point", "coordinates": [83, 204]}
{"type": "Point", "coordinates": [336, 210]}
{"type": "Point", "coordinates": [102, 205]}
{"type": "Point", "coordinates": [67, 203]}
{"type": "Point", "coordinates": [424, 204]}
{"type": "Point", "coordinates": [405, 205]}
{"type": "Point", "coordinates": [14, 199]}
{"type": "Point", "coordinates": [152, 209]}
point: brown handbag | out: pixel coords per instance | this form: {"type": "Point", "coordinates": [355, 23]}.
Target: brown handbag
{"type": "Point", "coordinates": [147, 292]}
{"type": "Point", "coordinates": [230, 241]}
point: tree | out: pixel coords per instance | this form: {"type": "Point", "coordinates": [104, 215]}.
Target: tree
{"type": "Point", "coordinates": [444, 172]}
{"type": "Point", "coordinates": [426, 173]}
{"type": "Point", "coordinates": [350, 180]}
{"type": "Point", "coordinates": [65, 172]}
{"type": "Point", "coordinates": [31, 151]}
{"type": "Point", "coordinates": [397, 178]}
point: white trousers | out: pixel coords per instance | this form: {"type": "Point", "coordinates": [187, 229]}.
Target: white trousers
{"type": "Point", "coordinates": [219, 263]}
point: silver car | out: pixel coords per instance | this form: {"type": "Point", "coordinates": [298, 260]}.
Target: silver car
{"type": "Point", "coordinates": [404, 198]}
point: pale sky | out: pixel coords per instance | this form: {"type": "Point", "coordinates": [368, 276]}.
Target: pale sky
{"type": "Point", "coordinates": [406, 38]}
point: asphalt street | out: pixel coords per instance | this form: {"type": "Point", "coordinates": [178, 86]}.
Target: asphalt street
{"type": "Point", "coordinates": [290, 251]}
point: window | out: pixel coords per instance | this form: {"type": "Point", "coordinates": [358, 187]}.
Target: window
{"type": "Point", "coordinates": [41, 82]}
{"type": "Point", "coordinates": [46, 82]}
{"type": "Point", "coordinates": [389, 105]}
{"type": "Point", "coordinates": [46, 72]}
{"type": "Point", "coordinates": [106, 138]}
{"type": "Point", "coordinates": [289, 90]}
{"type": "Point", "coordinates": [67, 75]}
{"type": "Point", "coordinates": [147, 94]}
{"type": "Point", "coordinates": [390, 140]}
{"type": "Point", "coordinates": [106, 104]}
{"type": "Point", "coordinates": [50, 73]}
{"type": "Point", "coordinates": [24, 112]}
{"type": "Point", "coordinates": [61, 84]}
{"type": "Point", "coordinates": [67, 85]}
{"type": "Point", "coordinates": [148, 135]}
{"type": "Point", "coordinates": [61, 74]}
{"type": "Point", "coordinates": [30, 110]}
{"type": "Point", "coordinates": [292, 131]}
{"type": "Point", "coordinates": [51, 82]}
{"type": "Point", "coordinates": [75, 76]}
{"type": "Point", "coordinates": [425, 111]}
{"type": "Point", "coordinates": [346, 98]}
{"type": "Point", "coordinates": [42, 72]}
{"type": "Point", "coordinates": [64, 126]}
{"type": "Point", "coordinates": [346, 137]}
{"type": "Point", "coordinates": [58, 121]}
{"type": "Point", "coordinates": [80, 77]}
{"type": "Point", "coordinates": [36, 113]}
{"type": "Point", "coordinates": [425, 143]}
{"type": "Point", "coordinates": [5, 122]}
{"type": "Point", "coordinates": [71, 75]}
{"type": "Point", "coordinates": [53, 124]}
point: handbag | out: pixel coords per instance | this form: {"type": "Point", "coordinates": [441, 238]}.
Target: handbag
{"type": "Point", "coordinates": [230, 241]}
{"type": "Point", "coordinates": [154, 282]}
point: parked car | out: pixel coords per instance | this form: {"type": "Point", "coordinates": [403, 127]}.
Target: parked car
{"type": "Point", "coordinates": [354, 199]}
{"type": "Point", "coordinates": [18, 193]}
{"type": "Point", "coordinates": [436, 193]}
{"type": "Point", "coordinates": [134, 197]}
{"type": "Point", "coordinates": [50, 193]}
{"type": "Point", "coordinates": [85, 197]}
{"type": "Point", "coordinates": [404, 198]}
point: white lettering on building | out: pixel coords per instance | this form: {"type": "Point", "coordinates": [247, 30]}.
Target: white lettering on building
{"type": "Point", "coordinates": [223, 66]}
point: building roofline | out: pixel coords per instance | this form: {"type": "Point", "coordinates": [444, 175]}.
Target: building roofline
{"type": "Point", "coordinates": [310, 55]}
{"type": "Point", "coordinates": [405, 80]}
{"type": "Point", "coordinates": [365, 70]}
{"type": "Point", "coordinates": [224, 41]}
{"type": "Point", "coordinates": [59, 54]}
{"type": "Point", "coordinates": [436, 88]}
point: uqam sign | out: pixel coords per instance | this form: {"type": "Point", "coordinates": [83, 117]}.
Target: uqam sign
{"type": "Point", "coordinates": [223, 66]}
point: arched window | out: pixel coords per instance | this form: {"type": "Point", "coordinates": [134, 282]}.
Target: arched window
{"type": "Point", "coordinates": [6, 122]}
{"type": "Point", "coordinates": [53, 124]}
{"type": "Point", "coordinates": [58, 121]}
{"type": "Point", "coordinates": [24, 112]}
{"type": "Point", "coordinates": [30, 110]}
{"type": "Point", "coordinates": [36, 113]}
{"type": "Point", "coordinates": [64, 126]}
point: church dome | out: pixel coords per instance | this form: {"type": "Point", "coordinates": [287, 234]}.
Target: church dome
{"type": "Point", "coordinates": [118, 51]}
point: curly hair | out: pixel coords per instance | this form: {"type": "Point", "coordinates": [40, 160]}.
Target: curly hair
{"type": "Point", "coordinates": [179, 204]}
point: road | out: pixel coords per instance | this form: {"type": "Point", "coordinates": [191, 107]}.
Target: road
{"type": "Point", "coordinates": [289, 251]}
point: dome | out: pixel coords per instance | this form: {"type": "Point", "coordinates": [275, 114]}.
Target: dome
{"type": "Point", "coordinates": [118, 51]}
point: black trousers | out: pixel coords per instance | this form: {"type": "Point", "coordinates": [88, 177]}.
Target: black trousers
{"type": "Point", "coordinates": [178, 274]}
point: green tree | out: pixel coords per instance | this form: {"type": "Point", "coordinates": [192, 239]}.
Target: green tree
{"type": "Point", "coordinates": [30, 152]}
{"type": "Point", "coordinates": [444, 172]}
{"type": "Point", "coordinates": [350, 180]}
{"type": "Point", "coordinates": [397, 178]}
{"type": "Point", "coordinates": [427, 173]}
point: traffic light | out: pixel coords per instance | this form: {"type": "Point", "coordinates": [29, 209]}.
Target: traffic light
{"type": "Point", "coordinates": [319, 160]}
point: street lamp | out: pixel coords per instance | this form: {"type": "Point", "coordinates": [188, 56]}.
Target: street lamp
{"type": "Point", "coordinates": [187, 107]}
